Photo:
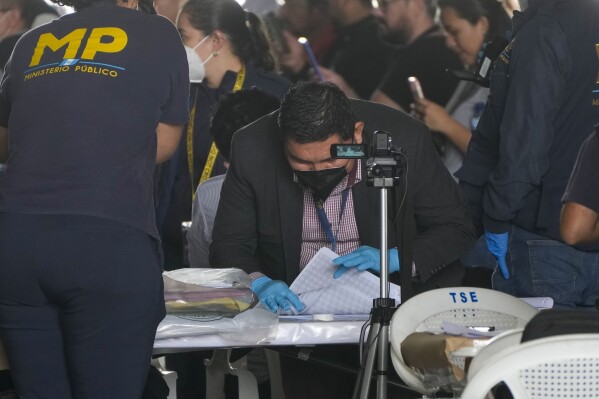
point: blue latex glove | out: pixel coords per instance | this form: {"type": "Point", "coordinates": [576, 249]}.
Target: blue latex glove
{"type": "Point", "coordinates": [275, 294]}
{"type": "Point", "coordinates": [497, 245]}
{"type": "Point", "coordinates": [364, 258]}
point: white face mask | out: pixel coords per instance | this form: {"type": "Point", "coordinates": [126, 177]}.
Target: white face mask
{"type": "Point", "coordinates": [196, 65]}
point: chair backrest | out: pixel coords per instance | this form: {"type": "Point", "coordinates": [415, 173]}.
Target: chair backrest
{"type": "Point", "coordinates": [559, 322]}
{"type": "Point", "coordinates": [564, 366]}
{"type": "Point", "coordinates": [465, 306]}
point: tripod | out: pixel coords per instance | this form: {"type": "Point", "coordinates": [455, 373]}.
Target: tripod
{"type": "Point", "coordinates": [381, 313]}
{"type": "Point", "coordinates": [381, 174]}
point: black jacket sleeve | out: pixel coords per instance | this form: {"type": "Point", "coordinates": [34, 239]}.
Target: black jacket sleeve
{"type": "Point", "coordinates": [444, 231]}
{"type": "Point", "coordinates": [234, 236]}
{"type": "Point", "coordinates": [538, 69]}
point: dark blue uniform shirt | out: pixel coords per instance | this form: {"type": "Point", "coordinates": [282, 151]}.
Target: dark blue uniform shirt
{"type": "Point", "coordinates": [85, 94]}
{"type": "Point", "coordinates": [543, 103]}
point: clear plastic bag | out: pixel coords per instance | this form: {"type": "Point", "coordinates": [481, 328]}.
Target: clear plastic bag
{"type": "Point", "coordinates": [255, 326]}
{"type": "Point", "coordinates": [207, 292]}
{"type": "Point", "coordinates": [214, 301]}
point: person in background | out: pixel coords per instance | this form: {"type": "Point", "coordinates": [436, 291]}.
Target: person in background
{"type": "Point", "coordinates": [358, 58]}
{"type": "Point", "coordinates": [227, 50]}
{"type": "Point", "coordinates": [468, 24]}
{"type": "Point", "coordinates": [543, 103]}
{"type": "Point", "coordinates": [17, 17]}
{"type": "Point", "coordinates": [231, 113]}
{"type": "Point", "coordinates": [81, 290]}
{"type": "Point", "coordinates": [310, 19]}
{"type": "Point", "coordinates": [579, 225]}
{"type": "Point", "coordinates": [167, 8]}
{"type": "Point", "coordinates": [425, 55]}
{"type": "Point", "coordinates": [510, 6]}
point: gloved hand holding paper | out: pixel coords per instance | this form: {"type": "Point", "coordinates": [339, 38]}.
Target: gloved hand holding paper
{"type": "Point", "coordinates": [275, 294]}
{"type": "Point", "coordinates": [352, 293]}
{"type": "Point", "coordinates": [365, 258]}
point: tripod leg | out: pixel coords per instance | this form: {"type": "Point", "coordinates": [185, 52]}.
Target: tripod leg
{"type": "Point", "coordinates": [364, 376]}
{"type": "Point", "coordinates": [383, 361]}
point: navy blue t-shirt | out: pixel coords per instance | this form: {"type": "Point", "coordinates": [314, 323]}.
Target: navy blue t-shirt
{"type": "Point", "coordinates": [582, 187]}
{"type": "Point", "coordinates": [85, 94]}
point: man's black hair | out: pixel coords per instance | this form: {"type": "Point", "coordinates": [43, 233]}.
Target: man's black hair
{"type": "Point", "coordinates": [314, 111]}
{"type": "Point", "coordinates": [473, 10]}
{"type": "Point", "coordinates": [236, 110]}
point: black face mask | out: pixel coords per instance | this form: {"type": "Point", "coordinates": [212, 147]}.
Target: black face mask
{"type": "Point", "coordinates": [322, 182]}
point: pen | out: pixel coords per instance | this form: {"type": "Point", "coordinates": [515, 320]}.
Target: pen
{"type": "Point", "coordinates": [304, 42]}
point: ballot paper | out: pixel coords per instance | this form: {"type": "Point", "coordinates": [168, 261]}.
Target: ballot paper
{"type": "Point", "coordinates": [352, 293]}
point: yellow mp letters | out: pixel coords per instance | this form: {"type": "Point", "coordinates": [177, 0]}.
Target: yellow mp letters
{"type": "Point", "coordinates": [73, 40]}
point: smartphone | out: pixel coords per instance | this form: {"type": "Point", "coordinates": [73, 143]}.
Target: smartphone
{"type": "Point", "coordinates": [304, 42]}
{"type": "Point", "coordinates": [415, 88]}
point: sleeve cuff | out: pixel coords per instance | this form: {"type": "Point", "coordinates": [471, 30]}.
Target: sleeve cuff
{"type": "Point", "coordinates": [255, 276]}
{"type": "Point", "coordinates": [495, 226]}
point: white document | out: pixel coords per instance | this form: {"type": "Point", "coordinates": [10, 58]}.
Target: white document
{"type": "Point", "coordinates": [540, 302]}
{"type": "Point", "coordinates": [352, 293]}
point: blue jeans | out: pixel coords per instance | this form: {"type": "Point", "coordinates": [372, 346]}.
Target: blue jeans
{"type": "Point", "coordinates": [542, 267]}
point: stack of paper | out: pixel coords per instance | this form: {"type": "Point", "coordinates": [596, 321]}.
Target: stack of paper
{"type": "Point", "coordinates": [351, 293]}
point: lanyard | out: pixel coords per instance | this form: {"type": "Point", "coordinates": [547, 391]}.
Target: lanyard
{"type": "Point", "coordinates": [213, 153]}
{"type": "Point", "coordinates": [322, 215]}
{"type": "Point", "coordinates": [324, 220]}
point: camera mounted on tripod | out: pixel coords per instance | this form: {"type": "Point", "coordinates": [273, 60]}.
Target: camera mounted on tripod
{"type": "Point", "coordinates": [383, 169]}
{"type": "Point", "coordinates": [383, 165]}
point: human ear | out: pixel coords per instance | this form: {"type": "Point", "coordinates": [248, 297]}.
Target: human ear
{"type": "Point", "coordinates": [358, 128]}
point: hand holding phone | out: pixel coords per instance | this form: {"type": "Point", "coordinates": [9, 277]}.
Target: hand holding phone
{"type": "Point", "coordinates": [415, 88]}
{"type": "Point", "coordinates": [304, 42]}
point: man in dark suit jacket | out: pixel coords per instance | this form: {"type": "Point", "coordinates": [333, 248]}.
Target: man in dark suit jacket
{"type": "Point", "coordinates": [281, 170]}
{"type": "Point", "coordinates": [258, 226]}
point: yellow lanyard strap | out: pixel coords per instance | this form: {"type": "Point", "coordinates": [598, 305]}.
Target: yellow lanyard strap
{"type": "Point", "coordinates": [189, 144]}
{"type": "Point", "coordinates": [213, 153]}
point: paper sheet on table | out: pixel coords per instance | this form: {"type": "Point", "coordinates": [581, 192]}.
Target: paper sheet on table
{"type": "Point", "coordinates": [469, 332]}
{"type": "Point", "coordinates": [352, 293]}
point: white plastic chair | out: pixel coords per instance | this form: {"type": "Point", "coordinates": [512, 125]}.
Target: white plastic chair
{"type": "Point", "coordinates": [494, 346]}
{"type": "Point", "coordinates": [465, 306]}
{"type": "Point", "coordinates": [170, 377]}
{"type": "Point", "coordinates": [218, 366]}
{"type": "Point", "coordinates": [563, 366]}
